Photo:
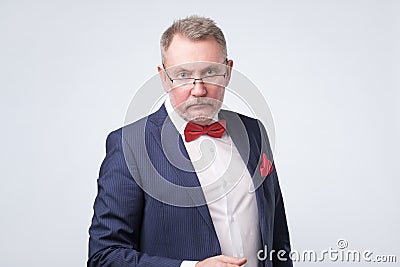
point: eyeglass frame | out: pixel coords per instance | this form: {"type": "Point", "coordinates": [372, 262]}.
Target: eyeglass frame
{"type": "Point", "coordinates": [195, 79]}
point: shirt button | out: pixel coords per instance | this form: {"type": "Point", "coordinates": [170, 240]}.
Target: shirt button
{"type": "Point", "coordinates": [232, 219]}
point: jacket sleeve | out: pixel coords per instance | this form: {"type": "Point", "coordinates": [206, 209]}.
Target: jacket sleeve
{"type": "Point", "coordinates": [118, 209]}
{"type": "Point", "coordinates": [281, 242]}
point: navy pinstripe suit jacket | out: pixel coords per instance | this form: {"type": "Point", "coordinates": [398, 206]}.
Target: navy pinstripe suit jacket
{"type": "Point", "coordinates": [132, 228]}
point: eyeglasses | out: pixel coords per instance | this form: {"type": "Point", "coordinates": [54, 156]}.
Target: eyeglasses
{"type": "Point", "coordinates": [181, 76]}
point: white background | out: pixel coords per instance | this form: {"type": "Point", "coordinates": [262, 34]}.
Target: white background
{"type": "Point", "coordinates": [329, 70]}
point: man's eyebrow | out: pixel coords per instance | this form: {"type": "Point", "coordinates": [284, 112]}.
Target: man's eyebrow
{"type": "Point", "coordinates": [176, 69]}
{"type": "Point", "coordinates": [202, 69]}
{"type": "Point", "coordinates": [212, 66]}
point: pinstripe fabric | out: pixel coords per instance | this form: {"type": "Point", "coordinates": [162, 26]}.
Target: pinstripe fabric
{"type": "Point", "coordinates": [131, 228]}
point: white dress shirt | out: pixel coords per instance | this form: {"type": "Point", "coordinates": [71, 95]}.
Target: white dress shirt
{"type": "Point", "coordinates": [227, 187]}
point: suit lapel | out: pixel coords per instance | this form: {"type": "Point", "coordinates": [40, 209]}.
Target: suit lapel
{"type": "Point", "coordinates": [173, 149]}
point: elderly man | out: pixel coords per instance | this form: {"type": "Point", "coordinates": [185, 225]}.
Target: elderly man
{"type": "Point", "coordinates": [191, 184]}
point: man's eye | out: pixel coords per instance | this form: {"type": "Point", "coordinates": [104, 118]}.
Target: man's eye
{"type": "Point", "coordinates": [182, 75]}
{"type": "Point", "coordinates": [210, 72]}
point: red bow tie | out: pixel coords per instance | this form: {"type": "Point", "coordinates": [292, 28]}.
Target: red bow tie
{"type": "Point", "coordinates": [193, 130]}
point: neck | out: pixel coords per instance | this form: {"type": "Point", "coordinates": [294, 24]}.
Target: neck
{"type": "Point", "coordinates": [202, 121]}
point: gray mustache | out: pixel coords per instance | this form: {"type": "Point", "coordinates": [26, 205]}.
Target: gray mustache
{"type": "Point", "coordinates": [201, 100]}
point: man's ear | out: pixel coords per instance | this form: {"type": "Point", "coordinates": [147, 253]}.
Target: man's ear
{"type": "Point", "coordinates": [163, 77]}
{"type": "Point", "coordinates": [229, 71]}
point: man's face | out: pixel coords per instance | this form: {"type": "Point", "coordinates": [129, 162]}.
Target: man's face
{"type": "Point", "coordinates": [198, 100]}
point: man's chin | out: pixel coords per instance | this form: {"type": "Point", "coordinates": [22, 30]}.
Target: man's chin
{"type": "Point", "coordinates": [200, 116]}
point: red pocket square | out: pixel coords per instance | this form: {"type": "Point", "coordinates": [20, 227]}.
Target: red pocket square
{"type": "Point", "coordinates": [266, 166]}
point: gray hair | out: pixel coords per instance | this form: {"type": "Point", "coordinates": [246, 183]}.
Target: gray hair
{"type": "Point", "coordinates": [194, 28]}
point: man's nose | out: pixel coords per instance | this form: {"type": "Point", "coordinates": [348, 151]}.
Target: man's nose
{"type": "Point", "coordinates": [199, 88]}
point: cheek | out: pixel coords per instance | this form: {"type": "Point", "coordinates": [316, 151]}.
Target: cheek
{"type": "Point", "coordinates": [218, 94]}
{"type": "Point", "coordinates": [178, 96]}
